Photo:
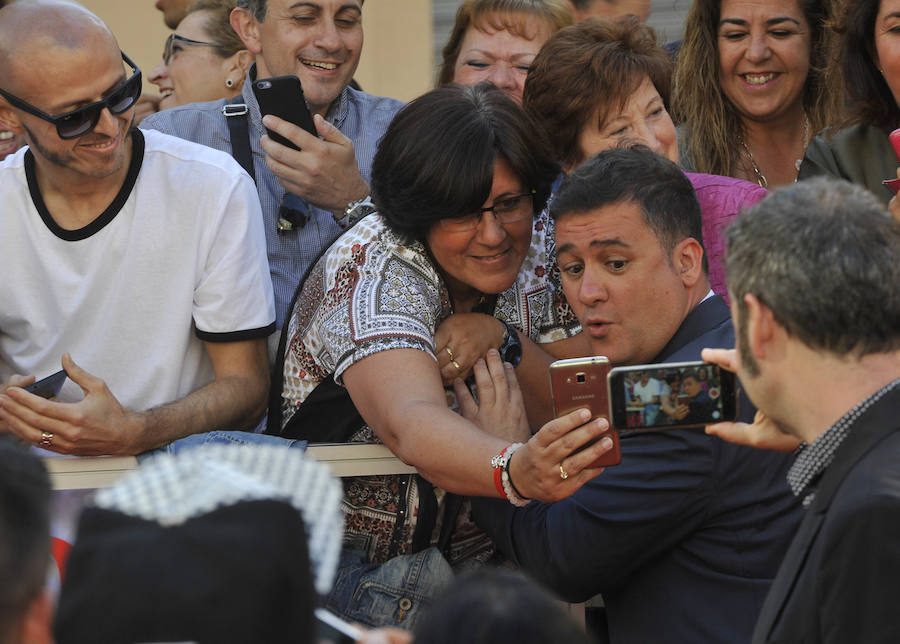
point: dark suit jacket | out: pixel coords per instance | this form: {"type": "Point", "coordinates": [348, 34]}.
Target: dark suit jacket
{"type": "Point", "coordinates": [682, 538]}
{"type": "Point", "coordinates": [840, 580]}
{"type": "Point", "coordinates": [701, 409]}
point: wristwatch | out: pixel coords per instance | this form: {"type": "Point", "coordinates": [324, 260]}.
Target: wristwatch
{"type": "Point", "coordinates": [356, 210]}
{"type": "Point", "coordinates": [511, 346]}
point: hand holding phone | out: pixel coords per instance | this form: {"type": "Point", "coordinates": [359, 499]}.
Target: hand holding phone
{"type": "Point", "coordinates": [581, 382]}
{"type": "Point", "coordinates": [47, 387]}
{"type": "Point", "coordinates": [282, 96]}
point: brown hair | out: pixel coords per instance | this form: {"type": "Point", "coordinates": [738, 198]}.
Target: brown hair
{"type": "Point", "coordinates": [710, 121]}
{"type": "Point", "coordinates": [587, 69]}
{"type": "Point", "coordinates": [871, 100]}
{"type": "Point", "coordinates": [218, 25]}
{"type": "Point", "coordinates": [499, 15]}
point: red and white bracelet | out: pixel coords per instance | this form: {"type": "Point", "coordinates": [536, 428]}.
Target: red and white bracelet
{"type": "Point", "coordinates": [502, 481]}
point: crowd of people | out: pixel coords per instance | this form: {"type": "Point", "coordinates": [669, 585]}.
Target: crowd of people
{"type": "Point", "coordinates": [406, 275]}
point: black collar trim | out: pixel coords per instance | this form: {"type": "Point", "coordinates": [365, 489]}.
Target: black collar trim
{"type": "Point", "coordinates": [134, 167]}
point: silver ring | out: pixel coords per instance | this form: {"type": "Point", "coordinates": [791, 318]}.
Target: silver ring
{"type": "Point", "coordinates": [46, 439]}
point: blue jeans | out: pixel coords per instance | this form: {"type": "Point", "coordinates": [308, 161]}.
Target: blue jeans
{"type": "Point", "coordinates": [396, 593]}
{"type": "Point", "coordinates": [228, 437]}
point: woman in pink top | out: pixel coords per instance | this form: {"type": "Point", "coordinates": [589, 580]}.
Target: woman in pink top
{"type": "Point", "coordinates": [598, 85]}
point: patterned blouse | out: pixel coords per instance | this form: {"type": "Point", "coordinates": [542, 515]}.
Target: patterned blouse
{"type": "Point", "coordinates": [372, 292]}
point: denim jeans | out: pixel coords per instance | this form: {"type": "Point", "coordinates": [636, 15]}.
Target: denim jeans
{"type": "Point", "coordinates": [224, 436]}
{"type": "Point", "coordinates": [396, 593]}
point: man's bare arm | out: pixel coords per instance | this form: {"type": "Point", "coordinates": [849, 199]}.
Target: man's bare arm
{"type": "Point", "coordinates": [99, 424]}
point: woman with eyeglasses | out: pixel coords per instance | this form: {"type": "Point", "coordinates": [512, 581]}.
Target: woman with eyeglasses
{"type": "Point", "coordinates": [460, 180]}
{"type": "Point", "coordinates": [204, 59]}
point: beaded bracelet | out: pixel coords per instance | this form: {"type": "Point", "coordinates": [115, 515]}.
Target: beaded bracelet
{"type": "Point", "coordinates": [502, 480]}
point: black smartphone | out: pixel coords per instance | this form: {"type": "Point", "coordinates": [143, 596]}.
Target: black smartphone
{"type": "Point", "coordinates": [282, 96]}
{"type": "Point", "coordinates": [582, 382]}
{"type": "Point", "coordinates": [670, 395]}
{"type": "Point", "coordinates": [47, 387]}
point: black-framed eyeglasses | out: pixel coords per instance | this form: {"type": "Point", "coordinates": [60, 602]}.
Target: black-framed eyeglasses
{"type": "Point", "coordinates": [508, 210]}
{"type": "Point", "coordinates": [71, 125]}
{"type": "Point", "coordinates": [174, 38]}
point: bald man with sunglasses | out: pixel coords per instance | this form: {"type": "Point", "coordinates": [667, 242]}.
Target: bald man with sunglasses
{"type": "Point", "coordinates": [135, 260]}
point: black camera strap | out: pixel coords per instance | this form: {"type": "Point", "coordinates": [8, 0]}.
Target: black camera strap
{"type": "Point", "coordinates": [235, 112]}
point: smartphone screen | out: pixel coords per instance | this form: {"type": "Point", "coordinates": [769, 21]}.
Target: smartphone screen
{"type": "Point", "coordinates": [665, 396]}
{"type": "Point", "coordinates": [581, 382]}
{"type": "Point", "coordinates": [282, 96]}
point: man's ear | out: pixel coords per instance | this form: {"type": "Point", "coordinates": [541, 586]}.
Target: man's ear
{"type": "Point", "coordinates": [763, 332]}
{"type": "Point", "coordinates": [687, 258]}
{"type": "Point", "coordinates": [246, 27]}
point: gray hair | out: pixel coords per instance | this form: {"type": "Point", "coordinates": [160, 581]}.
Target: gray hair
{"type": "Point", "coordinates": [824, 257]}
{"type": "Point", "coordinates": [257, 8]}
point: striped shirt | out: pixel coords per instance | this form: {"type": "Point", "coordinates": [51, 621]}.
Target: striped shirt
{"type": "Point", "coordinates": [361, 117]}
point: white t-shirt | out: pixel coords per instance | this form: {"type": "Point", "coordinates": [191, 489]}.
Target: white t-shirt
{"type": "Point", "coordinates": [646, 392]}
{"type": "Point", "coordinates": [178, 257]}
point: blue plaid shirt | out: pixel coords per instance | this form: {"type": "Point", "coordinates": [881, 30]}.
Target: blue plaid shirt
{"type": "Point", "coordinates": [361, 117]}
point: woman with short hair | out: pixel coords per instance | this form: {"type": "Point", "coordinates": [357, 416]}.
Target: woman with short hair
{"type": "Point", "coordinates": [496, 40]}
{"type": "Point", "coordinates": [599, 85]}
{"type": "Point", "coordinates": [204, 59]}
{"type": "Point", "coordinates": [460, 181]}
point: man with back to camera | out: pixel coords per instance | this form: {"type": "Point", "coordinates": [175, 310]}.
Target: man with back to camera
{"type": "Point", "coordinates": [817, 313]}
{"type": "Point", "coordinates": [138, 253]}
{"type": "Point", "coordinates": [307, 197]}
{"type": "Point", "coordinates": [683, 537]}
{"type": "Point", "coordinates": [26, 608]}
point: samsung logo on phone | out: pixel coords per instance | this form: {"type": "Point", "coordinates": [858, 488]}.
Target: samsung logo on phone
{"type": "Point", "coordinates": [584, 397]}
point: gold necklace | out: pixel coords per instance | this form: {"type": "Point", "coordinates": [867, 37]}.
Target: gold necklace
{"type": "Point", "coordinates": [760, 177]}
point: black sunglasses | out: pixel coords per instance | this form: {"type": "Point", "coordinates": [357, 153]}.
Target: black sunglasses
{"type": "Point", "coordinates": [73, 124]}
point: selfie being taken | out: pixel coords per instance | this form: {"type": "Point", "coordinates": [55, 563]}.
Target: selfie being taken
{"type": "Point", "coordinates": [524, 321]}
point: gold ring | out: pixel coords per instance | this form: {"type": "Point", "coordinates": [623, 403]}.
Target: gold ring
{"type": "Point", "coordinates": [449, 353]}
{"type": "Point", "coordinates": [46, 439]}
{"type": "Point", "coordinates": [562, 473]}
{"type": "Point", "coordinates": [456, 364]}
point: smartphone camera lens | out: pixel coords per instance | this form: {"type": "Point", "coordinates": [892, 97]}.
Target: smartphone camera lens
{"type": "Point", "coordinates": [264, 84]}
{"type": "Point", "coordinates": [580, 377]}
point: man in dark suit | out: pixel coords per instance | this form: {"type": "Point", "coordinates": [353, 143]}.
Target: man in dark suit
{"type": "Point", "coordinates": [817, 312]}
{"type": "Point", "coordinates": [683, 537]}
{"type": "Point", "coordinates": [700, 407]}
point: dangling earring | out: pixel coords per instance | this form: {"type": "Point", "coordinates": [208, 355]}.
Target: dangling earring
{"type": "Point", "coordinates": [229, 83]}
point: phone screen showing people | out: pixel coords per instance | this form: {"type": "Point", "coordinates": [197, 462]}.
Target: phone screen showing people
{"type": "Point", "coordinates": [661, 396]}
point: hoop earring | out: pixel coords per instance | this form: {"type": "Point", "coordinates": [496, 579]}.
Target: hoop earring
{"type": "Point", "coordinates": [229, 83]}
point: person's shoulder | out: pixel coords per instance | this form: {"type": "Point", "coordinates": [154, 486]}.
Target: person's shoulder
{"type": "Point", "coordinates": [373, 103]}
{"type": "Point", "coordinates": [708, 324]}
{"type": "Point", "coordinates": [851, 134]}
{"type": "Point", "coordinates": [720, 188]}
{"type": "Point", "coordinates": [194, 121]}
{"type": "Point", "coordinates": [14, 162]}
{"type": "Point", "coordinates": [160, 147]}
